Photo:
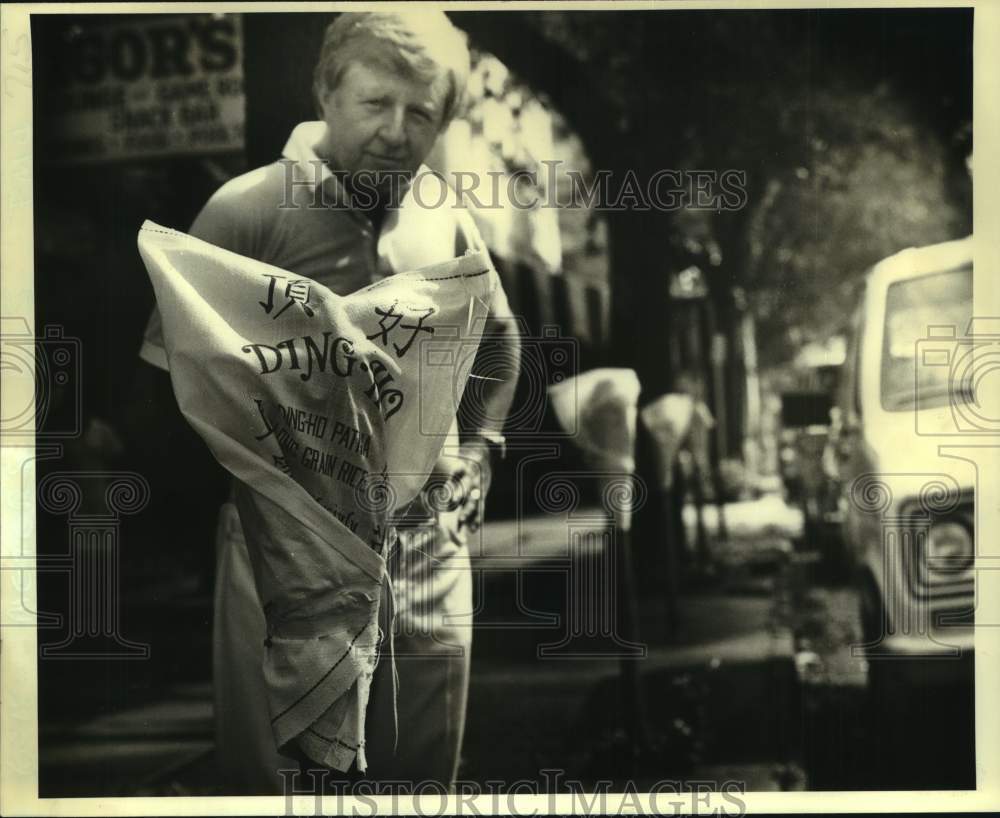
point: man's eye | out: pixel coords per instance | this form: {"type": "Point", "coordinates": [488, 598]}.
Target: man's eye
{"type": "Point", "coordinates": [421, 114]}
{"type": "Point", "coordinates": [372, 103]}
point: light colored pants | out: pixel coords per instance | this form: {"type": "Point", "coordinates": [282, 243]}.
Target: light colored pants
{"type": "Point", "coordinates": [432, 640]}
{"type": "Point", "coordinates": [432, 645]}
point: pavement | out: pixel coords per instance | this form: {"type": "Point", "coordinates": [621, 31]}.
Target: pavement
{"type": "Point", "coordinates": [130, 751]}
{"type": "Point", "coordinates": [756, 683]}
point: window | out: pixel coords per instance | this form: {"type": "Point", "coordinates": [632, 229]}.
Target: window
{"type": "Point", "coordinates": [910, 379]}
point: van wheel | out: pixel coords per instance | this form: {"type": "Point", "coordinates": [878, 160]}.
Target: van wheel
{"type": "Point", "coordinates": [873, 628]}
{"type": "Point", "coordinates": [837, 565]}
{"type": "Point", "coordinates": [884, 724]}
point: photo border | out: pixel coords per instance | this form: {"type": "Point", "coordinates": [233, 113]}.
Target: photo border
{"type": "Point", "coordinates": [18, 657]}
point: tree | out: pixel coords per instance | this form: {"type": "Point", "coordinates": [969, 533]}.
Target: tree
{"type": "Point", "coordinates": [871, 182]}
{"type": "Point", "coordinates": [842, 121]}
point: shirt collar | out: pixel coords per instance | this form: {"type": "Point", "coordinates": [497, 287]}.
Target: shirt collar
{"type": "Point", "coordinates": [301, 148]}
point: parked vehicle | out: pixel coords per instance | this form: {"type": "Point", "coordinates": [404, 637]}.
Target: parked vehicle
{"type": "Point", "coordinates": [907, 508]}
{"type": "Point", "coordinates": [805, 432]}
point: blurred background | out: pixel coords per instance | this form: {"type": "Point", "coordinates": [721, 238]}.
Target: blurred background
{"type": "Point", "coordinates": [850, 134]}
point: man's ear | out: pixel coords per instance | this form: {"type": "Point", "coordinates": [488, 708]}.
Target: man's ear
{"type": "Point", "coordinates": [320, 100]}
{"type": "Point", "coordinates": [323, 102]}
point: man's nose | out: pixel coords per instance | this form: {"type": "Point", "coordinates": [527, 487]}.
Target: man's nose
{"type": "Point", "coordinates": [393, 131]}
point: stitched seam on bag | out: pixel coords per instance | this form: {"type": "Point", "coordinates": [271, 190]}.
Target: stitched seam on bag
{"type": "Point", "coordinates": [341, 742]}
{"type": "Point", "coordinates": [321, 679]}
{"type": "Point", "coordinates": [377, 284]}
{"type": "Point", "coordinates": [164, 232]}
{"type": "Point", "coordinates": [386, 281]}
{"type": "Point", "coordinates": [389, 279]}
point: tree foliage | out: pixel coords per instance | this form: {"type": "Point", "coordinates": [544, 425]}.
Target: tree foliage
{"type": "Point", "coordinates": [871, 182]}
{"type": "Point", "coordinates": [844, 121]}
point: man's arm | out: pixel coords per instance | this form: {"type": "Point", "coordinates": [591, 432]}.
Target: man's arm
{"type": "Point", "coordinates": [489, 395]}
{"type": "Point", "coordinates": [487, 398]}
{"type": "Point", "coordinates": [486, 403]}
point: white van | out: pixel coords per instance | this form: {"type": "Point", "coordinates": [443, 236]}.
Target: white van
{"type": "Point", "coordinates": [907, 508]}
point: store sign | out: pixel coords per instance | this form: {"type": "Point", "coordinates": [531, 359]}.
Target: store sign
{"type": "Point", "coordinates": [148, 87]}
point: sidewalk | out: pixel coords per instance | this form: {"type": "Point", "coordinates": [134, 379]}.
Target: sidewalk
{"type": "Point", "coordinates": [722, 696]}
{"type": "Point", "coordinates": [133, 751]}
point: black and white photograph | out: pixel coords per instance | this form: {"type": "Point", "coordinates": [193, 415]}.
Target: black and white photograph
{"type": "Point", "coordinates": [456, 404]}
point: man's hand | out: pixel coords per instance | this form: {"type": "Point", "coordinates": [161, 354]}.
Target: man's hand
{"type": "Point", "coordinates": [457, 489]}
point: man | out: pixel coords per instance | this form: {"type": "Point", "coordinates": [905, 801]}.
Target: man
{"type": "Point", "coordinates": [345, 206]}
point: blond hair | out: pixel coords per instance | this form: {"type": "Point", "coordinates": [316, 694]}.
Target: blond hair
{"type": "Point", "coordinates": [423, 45]}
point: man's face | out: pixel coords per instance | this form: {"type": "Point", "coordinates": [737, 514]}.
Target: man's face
{"type": "Point", "coordinates": [379, 120]}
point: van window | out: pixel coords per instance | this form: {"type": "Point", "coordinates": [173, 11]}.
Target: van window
{"type": "Point", "coordinates": [916, 369]}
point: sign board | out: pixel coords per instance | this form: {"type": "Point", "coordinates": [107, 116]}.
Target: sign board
{"type": "Point", "coordinates": [802, 409]}
{"type": "Point", "coordinates": [146, 87]}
